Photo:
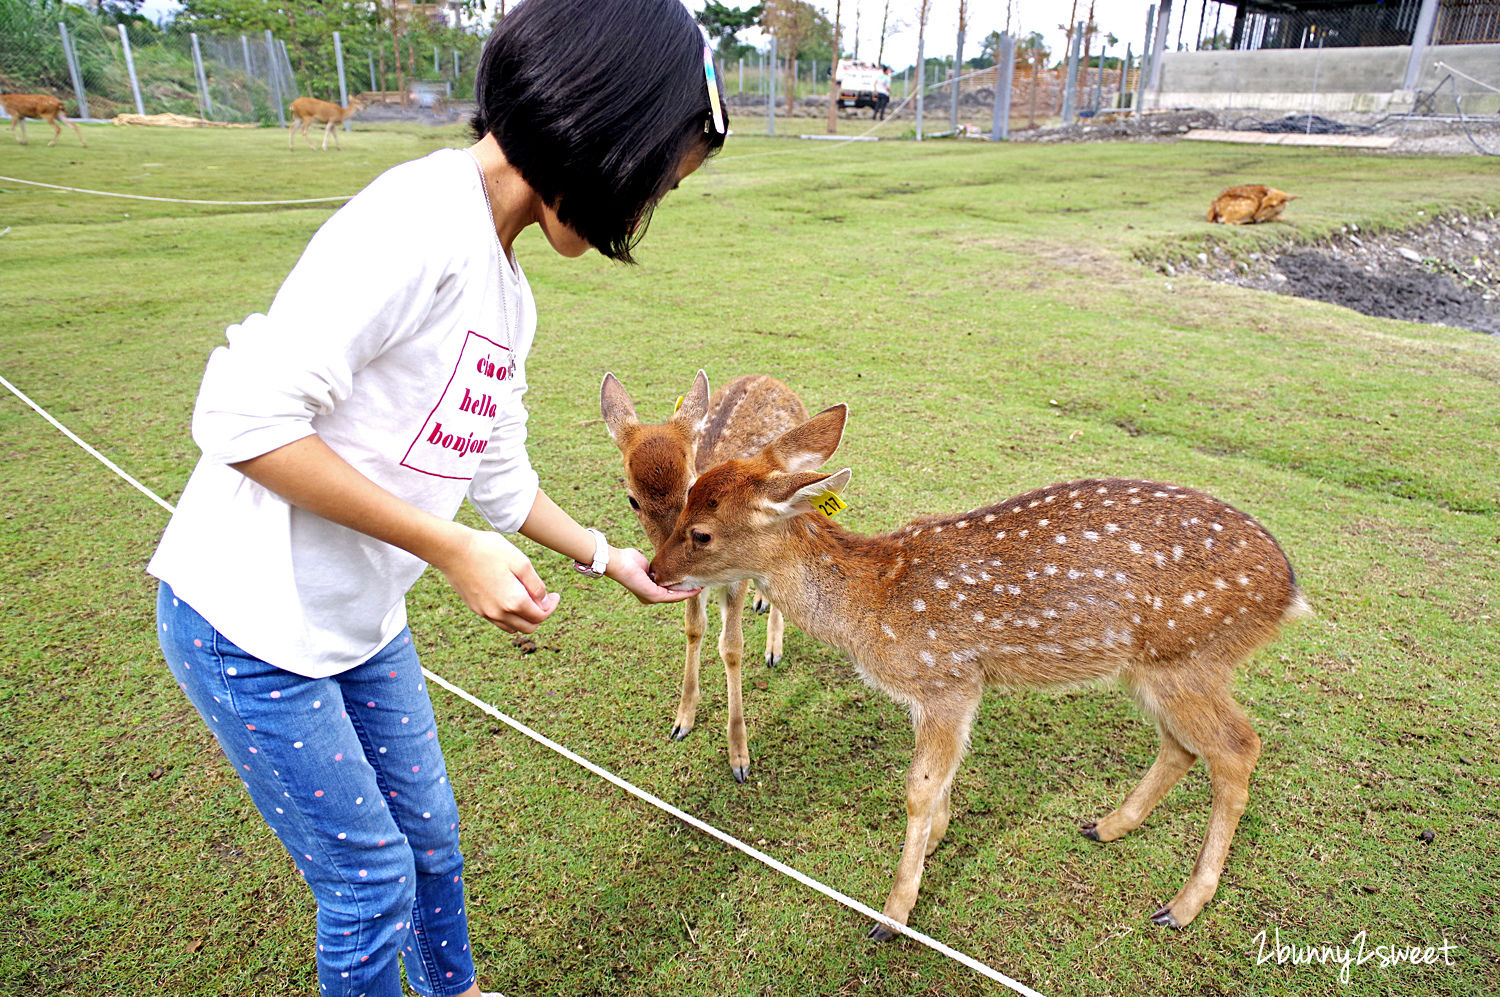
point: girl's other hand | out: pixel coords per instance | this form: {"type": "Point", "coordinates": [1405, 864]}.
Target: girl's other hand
{"type": "Point", "coordinates": [497, 581]}
{"type": "Point", "coordinates": [628, 567]}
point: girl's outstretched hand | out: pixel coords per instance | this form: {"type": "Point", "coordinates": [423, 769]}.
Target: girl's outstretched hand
{"type": "Point", "coordinates": [628, 567]}
{"type": "Point", "coordinates": [497, 581]}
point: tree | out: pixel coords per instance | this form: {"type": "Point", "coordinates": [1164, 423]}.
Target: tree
{"type": "Point", "coordinates": [794, 23]}
{"type": "Point", "coordinates": [723, 22]}
{"type": "Point", "coordinates": [833, 76]}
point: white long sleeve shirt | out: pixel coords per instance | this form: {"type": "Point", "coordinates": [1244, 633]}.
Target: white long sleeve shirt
{"type": "Point", "coordinates": [391, 340]}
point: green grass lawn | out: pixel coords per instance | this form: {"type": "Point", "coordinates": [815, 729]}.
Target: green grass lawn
{"type": "Point", "coordinates": [983, 310]}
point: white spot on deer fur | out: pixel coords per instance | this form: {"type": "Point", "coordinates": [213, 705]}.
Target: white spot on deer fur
{"type": "Point", "coordinates": [931, 634]}
{"type": "Point", "coordinates": [1135, 548]}
{"type": "Point", "coordinates": [1074, 574]}
{"type": "Point", "coordinates": [1217, 528]}
{"type": "Point", "coordinates": [1013, 589]}
{"type": "Point", "coordinates": [1033, 622]}
{"type": "Point", "coordinates": [885, 628]}
{"type": "Point", "coordinates": [1050, 569]}
{"type": "Point", "coordinates": [1243, 580]}
{"type": "Point", "coordinates": [919, 605]}
{"type": "Point", "coordinates": [1078, 505]}
{"type": "Point", "coordinates": [1177, 552]}
{"type": "Point", "coordinates": [1073, 493]}
{"type": "Point", "coordinates": [1098, 572]}
{"type": "Point", "coordinates": [962, 523]}
{"type": "Point", "coordinates": [1034, 503]}
{"type": "Point", "coordinates": [1135, 501]}
{"type": "Point", "coordinates": [1090, 535]}
{"type": "Point", "coordinates": [1061, 538]}
{"type": "Point", "coordinates": [1119, 577]}
{"type": "Point", "coordinates": [1220, 583]}
{"type": "Point", "coordinates": [1188, 599]}
{"type": "Point", "coordinates": [927, 658]}
{"type": "Point", "coordinates": [1043, 522]}
{"type": "Point", "coordinates": [1101, 491]}
{"type": "Point", "coordinates": [1000, 535]}
{"type": "Point", "coordinates": [937, 529]}
{"type": "Point", "coordinates": [989, 517]}
{"type": "Point", "coordinates": [1131, 491]}
{"type": "Point", "coordinates": [978, 617]}
{"type": "Point", "coordinates": [1208, 542]}
{"type": "Point", "coordinates": [1160, 494]}
{"type": "Point", "coordinates": [1025, 533]}
{"type": "Point", "coordinates": [1050, 614]}
{"type": "Point", "coordinates": [984, 576]}
{"type": "Point", "coordinates": [1111, 527]}
{"type": "Point", "coordinates": [1160, 558]}
{"type": "Point", "coordinates": [1049, 498]}
{"type": "Point", "coordinates": [1135, 618]}
{"type": "Point", "coordinates": [958, 598]}
{"type": "Point", "coordinates": [1171, 624]}
{"type": "Point", "coordinates": [941, 583]}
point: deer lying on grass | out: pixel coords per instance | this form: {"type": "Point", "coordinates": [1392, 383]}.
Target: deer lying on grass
{"type": "Point", "coordinates": [306, 110]}
{"type": "Point", "coordinates": [21, 106]}
{"type": "Point", "coordinates": [661, 463]}
{"type": "Point", "coordinates": [1163, 588]}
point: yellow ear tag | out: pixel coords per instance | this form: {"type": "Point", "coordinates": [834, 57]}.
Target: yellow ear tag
{"type": "Point", "coordinates": [678, 406]}
{"type": "Point", "coordinates": [829, 504]}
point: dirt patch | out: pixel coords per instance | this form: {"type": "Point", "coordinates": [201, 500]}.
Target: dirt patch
{"type": "Point", "coordinates": [1445, 272]}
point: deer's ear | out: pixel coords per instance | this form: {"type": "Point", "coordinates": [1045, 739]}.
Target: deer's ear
{"type": "Point", "coordinates": [617, 409]}
{"type": "Point", "coordinates": [809, 445]}
{"type": "Point", "coordinates": [793, 494]}
{"type": "Point", "coordinates": [694, 408]}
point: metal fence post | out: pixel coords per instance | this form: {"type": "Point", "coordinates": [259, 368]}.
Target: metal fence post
{"type": "Point", "coordinates": [273, 77]}
{"type": "Point", "coordinates": [1099, 80]}
{"type": "Point", "coordinates": [205, 105]}
{"type": "Point", "coordinates": [72, 56]}
{"type": "Point", "coordinates": [338, 59]}
{"type": "Point", "coordinates": [371, 57]}
{"type": "Point", "coordinates": [286, 65]}
{"type": "Point", "coordinates": [1420, 39]}
{"type": "Point", "coordinates": [958, 69]}
{"type": "Point", "coordinates": [1005, 70]}
{"type": "Point", "coordinates": [771, 93]}
{"type": "Point", "coordinates": [921, 69]}
{"type": "Point", "coordinates": [135, 84]}
{"type": "Point", "coordinates": [1070, 86]}
{"type": "Point", "coordinates": [1146, 60]}
{"type": "Point", "coordinates": [1163, 28]}
{"type": "Point", "coordinates": [1124, 76]}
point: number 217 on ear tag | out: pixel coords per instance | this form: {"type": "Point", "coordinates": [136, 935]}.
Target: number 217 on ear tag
{"type": "Point", "coordinates": [829, 504]}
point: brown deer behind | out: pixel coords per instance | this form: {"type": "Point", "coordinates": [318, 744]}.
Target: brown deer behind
{"type": "Point", "coordinates": [21, 106]}
{"type": "Point", "coordinates": [1248, 204]}
{"type": "Point", "coordinates": [306, 110]}
{"type": "Point", "coordinates": [661, 463]}
{"type": "Point", "coordinates": [1162, 588]}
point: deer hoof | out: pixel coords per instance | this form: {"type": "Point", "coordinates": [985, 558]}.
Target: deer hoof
{"type": "Point", "coordinates": [1165, 919]}
{"type": "Point", "coordinates": [741, 773]}
{"type": "Point", "coordinates": [773, 659]}
{"type": "Point", "coordinates": [1090, 831]}
{"type": "Point", "coordinates": [679, 732]}
{"type": "Point", "coordinates": [880, 933]}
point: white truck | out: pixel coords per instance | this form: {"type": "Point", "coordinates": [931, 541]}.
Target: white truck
{"type": "Point", "coordinates": [861, 84]}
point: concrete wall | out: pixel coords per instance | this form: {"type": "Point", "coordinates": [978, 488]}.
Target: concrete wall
{"type": "Point", "coordinates": [1326, 81]}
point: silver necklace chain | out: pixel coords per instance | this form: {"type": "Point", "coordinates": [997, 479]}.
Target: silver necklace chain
{"type": "Point", "coordinates": [505, 262]}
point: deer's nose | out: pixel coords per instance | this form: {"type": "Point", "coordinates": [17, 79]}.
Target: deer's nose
{"type": "Point", "coordinates": [651, 573]}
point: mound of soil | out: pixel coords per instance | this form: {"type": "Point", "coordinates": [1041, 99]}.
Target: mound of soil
{"type": "Point", "coordinates": [1446, 272]}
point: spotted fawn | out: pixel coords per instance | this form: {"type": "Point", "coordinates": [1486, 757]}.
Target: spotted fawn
{"type": "Point", "coordinates": [1162, 588]}
{"type": "Point", "coordinates": [661, 463]}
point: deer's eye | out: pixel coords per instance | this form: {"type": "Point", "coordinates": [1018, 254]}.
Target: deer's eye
{"type": "Point", "coordinates": [699, 537]}
{"type": "Point", "coordinates": [633, 503]}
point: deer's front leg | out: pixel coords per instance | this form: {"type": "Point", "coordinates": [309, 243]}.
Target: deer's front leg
{"type": "Point", "coordinates": [695, 624]}
{"type": "Point", "coordinates": [940, 746]}
{"type": "Point", "coordinates": [732, 650]}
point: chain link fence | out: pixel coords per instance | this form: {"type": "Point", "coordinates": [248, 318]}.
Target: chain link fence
{"type": "Point", "coordinates": [106, 68]}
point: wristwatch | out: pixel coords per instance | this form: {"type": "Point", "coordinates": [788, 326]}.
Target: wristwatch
{"type": "Point", "coordinates": [601, 557]}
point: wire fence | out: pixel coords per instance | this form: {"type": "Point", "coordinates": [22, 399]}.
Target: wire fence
{"type": "Point", "coordinates": [244, 77]}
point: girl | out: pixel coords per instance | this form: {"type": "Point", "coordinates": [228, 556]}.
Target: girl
{"type": "Point", "coordinates": [342, 429]}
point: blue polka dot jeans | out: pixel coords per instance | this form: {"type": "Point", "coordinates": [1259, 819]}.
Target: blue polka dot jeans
{"type": "Point", "coordinates": [347, 772]}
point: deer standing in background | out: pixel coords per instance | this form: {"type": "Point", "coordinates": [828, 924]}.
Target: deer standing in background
{"type": "Point", "coordinates": [21, 106]}
{"type": "Point", "coordinates": [306, 110]}
{"type": "Point", "coordinates": [1162, 588]}
{"type": "Point", "coordinates": [661, 463]}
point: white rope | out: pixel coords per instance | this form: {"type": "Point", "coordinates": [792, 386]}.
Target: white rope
{"type": "Point", "coordinates": [605, 774]}
{"type": "Point", "coordinates": [171, 200]}
{"type": "Point", "coordinates": [1459, 72]}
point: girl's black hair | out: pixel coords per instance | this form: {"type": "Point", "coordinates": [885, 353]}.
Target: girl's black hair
{"type": "Point", "coordinates": [597, 103]}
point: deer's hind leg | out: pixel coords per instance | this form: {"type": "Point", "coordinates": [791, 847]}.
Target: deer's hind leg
{"type": "Point", "coordinates": [732, 650]}
{"type": "Point", "coordinates": [1172, 763]}
{"type": "Point", "coordinates": [694, 625]}
{"type": "Point", "coordinates": [1204, 719]}
{"type": "Point", "coordinates": [71, 124]}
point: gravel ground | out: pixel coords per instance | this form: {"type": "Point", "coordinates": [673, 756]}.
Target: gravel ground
{"type": "Point", "coordinates": [1446, 271]}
